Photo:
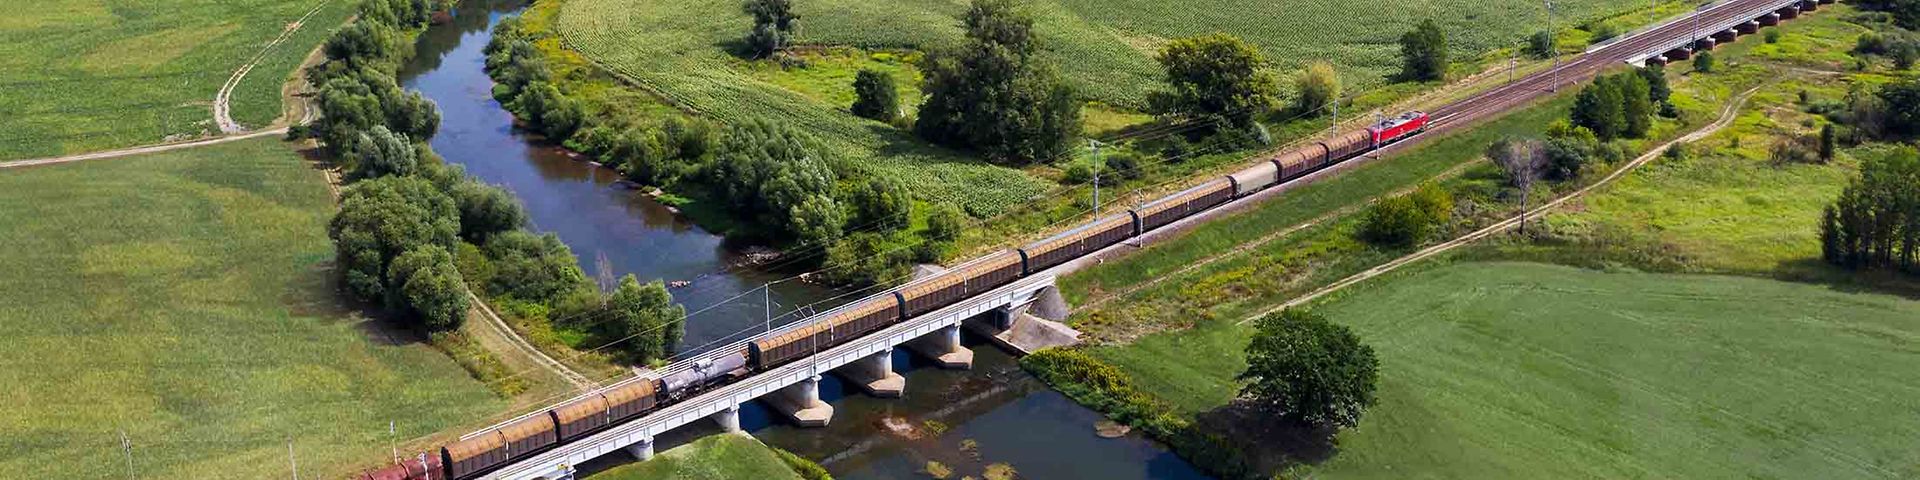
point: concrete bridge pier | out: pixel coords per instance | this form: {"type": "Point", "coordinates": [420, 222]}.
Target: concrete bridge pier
{"type": "Point", "coordinates": [875, 375]}
{"type": "Point", "coordinates": [1748, 28]}
{"type": "Point", "coordinates": [728, 418]}
{"type": "Point", "coordinates": [1681, 53]}
{"type": "Point", "coordinates": [1809, 5]}
{"type": "Point", "coordinates": [1768, 20]}
{"type": "Point", "coordinates": [642, 450]}
{"type": "Point", "coordinates": [801, 402]}
{"type": "Point", "coordinates": [944, 347]}
{"type": "Point", "coordinates": [1726, 36]}
{"type": "Point", "coordinates": [1788, 13]}
{"type": "Point", "coordinates": [1704, 44]}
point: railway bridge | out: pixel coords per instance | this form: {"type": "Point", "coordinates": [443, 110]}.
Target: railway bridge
{"type": "Point", "coordinates": [1703, 32]}
{"type": "Point", "coordinates": [793, 389]}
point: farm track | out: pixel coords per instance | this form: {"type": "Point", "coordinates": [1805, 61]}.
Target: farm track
{"type": "Point", "coordinates": [1728, 114]}
{"type": "Point", "coordinates": [222, 101]}
{"type": "Point", "coordinates": [506, 332]}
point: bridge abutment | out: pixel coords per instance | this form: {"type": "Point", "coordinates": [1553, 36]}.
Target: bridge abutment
{"type": "Point", "coordinates": [642, 450]}
{"type": "Point", "coordinates": [944, 347]}
{"type": "Point", "coordinates": [728, 418]}
{"type": "Point", "coordinates": [801, 403]}
{"type": "Point", "coordinates": [875, 375]}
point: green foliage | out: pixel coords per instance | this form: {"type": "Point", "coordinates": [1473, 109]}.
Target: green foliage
{"type": "Point", "coordinates": [381, 218]}
{"type": "Point", "coordinates": [643, 319]}
{"type": "Point", "coordinates": [1874, 223]}
{"type": "Point", "coordinates": [1540, 45]}
{"type": "Point", "coordinates": [1111, 392]}
{"type": "Point", "coordinates": [1219, 76]}
{"type": "Point", "coordinates": [1317, 86]}
{"type": "Point", "coordinates": [1703, 62]}
{"type": "Point", "coordinates": [1124, 164]}
{"type": "Point", "coordinates": [486, 210]}
{"type": "Point", "coordinates": [881, 205]}
{"type": "Point", "coordinates": [1902, 104]}
{"type": "Point", "coordinates": [1601, 32]}
{"type": "Point", "coordinates": [993, 95]}
{"type": "Point", "coordinates": [944, 226]}
{"type": "Point", "coordinates": [1772, 35]}
{"type": "Point", "coordinates": [875, 96]}
{"type": "Point", "coordinates": [771, 171]}
{"type": "Point", "coordinates": [1905, 13]}
{"type": "Point", "coordinates": [1656, 77]}
{"type": "Point", "coordinates": [355, 101]}
{"type": "Point", "coordinates": [1826, 143]}
{"type": "Point", "coordinates": [1407, 220]}
{"type": "Point", "coordinates": [807, 469]}
{"type": "Point", "coordinates": [1616, 106]}
{"type": "Point", "coordinates": [773, 24]}
{"type": "Point", "coordinates": [361, 45]}
{"type": "Point", "coordinates": [534, 268]}
{"type": "Point", "coordinates": [867, 258]}
{"type": "Point", "coordinates": [551, 113]}
{"type": "Point", "coordinates": [1423, 53]}
{"type": "Point", "coordinates": [1637, 104]}
{"type": "Point", "coordinates": [425, 282]}
{"type": "Point", "coordinates": [380, 152]}
{"type": "Point", "coordinates": [1306, 369]}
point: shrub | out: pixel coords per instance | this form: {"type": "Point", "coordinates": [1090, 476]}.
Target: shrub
{"type": "Point", "coordinates": [1107, 390]}
{"type": "Point", "coordinates": [1407, 220]}
{"type": "Point", "coordinates": [1220, 75]}
{"type": "Point", "coordinates": [1317, 87]}
{"type": "Point", "coordinates": [875, 97]}
{"type": "Point", "coordinates": [1773, 35]}
{"type": "Point", "coordinates": [807, 469]}
{"type": "Point", "coordinates": [1423, 52]}
{"type": "Point", "coordinates": [1540, 45]}
{"type": "Point", "coordinates": [1703, 62]}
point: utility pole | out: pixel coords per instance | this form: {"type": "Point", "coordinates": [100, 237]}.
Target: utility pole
{"type": "Point", "coordinates": [1553, 49]}
{"type": "Point", "coordinates": [1096, 175]}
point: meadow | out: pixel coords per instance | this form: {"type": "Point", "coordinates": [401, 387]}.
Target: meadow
{"type": "Point", "coordinates": [183, 301]}
{"type": "Point", "coordinates": [1508, 370]}
{"type": "Point", "coordinates": [715, 457]}
{"type": "Point", "coordinates": [85, 75]}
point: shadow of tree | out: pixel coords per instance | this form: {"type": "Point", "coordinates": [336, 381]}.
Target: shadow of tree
{"type": "Point", "coordinates": [1273, 444]}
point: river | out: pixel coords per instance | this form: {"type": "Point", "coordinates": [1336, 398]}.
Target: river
{"type": "Point", "coordinates": [966, 420]}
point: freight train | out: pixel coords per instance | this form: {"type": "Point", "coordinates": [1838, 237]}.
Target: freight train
{"type": "Point", "coordinates": [481, 453]}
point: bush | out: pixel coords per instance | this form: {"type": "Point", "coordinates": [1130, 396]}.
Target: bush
{"type": "Point", "coordinates": [1124, 165]}
{"type": "Point", "coordinates": [1423, 52]}
{"type": "Point", "coordinates": [1540, 45]}
{"type": "Point", "coordinates": [881, 204]}
{"type": "Point", "coordinates": [424, 282]}
{"type": "Point", "coordinates": [1317, 86]}
{"type": "Point", "coordinates": [1602, 32]}
{"type": "Point", "coordinates": [1407, 220]}
{"type": "Point", "coordinates": [1221, 76]}
{"type": "Point", "coordinates": [1772, 35]}
{"type": "Point", "coordinates": [534, 268]}
{"type": "Point", "coordinates": [994, 95]}
{"type": "Point", "coordinates": [1703, 62]}
{"type": "Point", "coordinates": [867, 258]}
{"type": "Point", "coordinates": [807, 469]}
{"type": "Point", "coordinates": [875, 96]}
{"type": "Point", "coordinates": [382, 218]}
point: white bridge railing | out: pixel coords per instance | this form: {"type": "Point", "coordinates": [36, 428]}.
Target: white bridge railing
{"type": "Point", "coordinates": [1705, 29]}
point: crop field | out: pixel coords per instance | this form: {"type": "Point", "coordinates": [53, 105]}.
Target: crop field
{"type": "Point", "coordinates": [183, 301]}
{"type": "Point", "coordinates": [716, 457]}
{"type": "Point", "coordinates": [84, 75]}
{"type": "Point", "coordinates": [1512, 370]}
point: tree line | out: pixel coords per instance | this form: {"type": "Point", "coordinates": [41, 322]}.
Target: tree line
{"type": "Point", "coordinates": [412, 233]}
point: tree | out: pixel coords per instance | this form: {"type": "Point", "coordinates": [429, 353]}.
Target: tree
{"type": "Point", "coordinates": [874, 96]}
{"type": "Point", "coordinates": [882, 204]}
{"type": "Point", "coordinates": [1703, 62]}
{"type": "Point", "coordinates": [646, 317]}
{"type": "Point", "coordinates": [993, 95]}
{"type": "Point", "coordinates": [1318, 86]}
{"type": "Point", "coordinates": [379, 152]}
{"type": "Point", "coordinates": [533, 268]}
{"type": "Point", "coordinates": [1215, 76]}
{"type": "Point", "coordinates": [773, 23]}
{"type": "Point", "coordinates": [770, 170]}
{"type": "Point", "coordinates": [1874, 223]}
{"type": "Point", "coordinates": [1600, 107]}
{"type": "Point", "coordinates": [1826, 143]}
{"type": "Point", "coordinates": [1309, 370]}
{"type": "Point", "coordinates": [1540, 45]}
{"type": "Point", "coordinates": [815, 221]}
{"type": "Point", "coordinates": [1423, 52]}
{"type": "Point", "coordinates": [864, 259]}
{"type": "Point", "coordinates": [1523, 161]}
{"type": "Point", "coordinates": [944, 226]}
{"type": "Point", "coordinates": [551, 112]}
{"type": "Point", "coordinates": [360, 45]}
{"type": "Point", "coordinates": [425, 282]}
{"type": "Point", "coordinates": [1636, 104]}
{"type": "Point", "coordinates": [1902, 106]}
{"type": "Point", "coordinates": [486, 210]}
{"type": "Point", "coordinates": [1656, 77]}
{"type": "Point", "coordinates": [381, 218]}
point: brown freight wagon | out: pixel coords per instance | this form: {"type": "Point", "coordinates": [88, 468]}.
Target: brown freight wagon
{"type": "Point", "coordinates": [1072, 244]}
{"type": "Point", "coordinates": [529, 435]}
{"type": "Point", "coordinates": [632, 399]}
{"type": "Point", "coordinates": [1299, 161]}
{"type": "Point", "coordinates": [577, 418]}
{"type": "Point", "coordinates": [993, 271]}
{"type": "Point", "coordinates": [1179, 205]}
{"type": "Point", "coordinates": [467, 457]}
{"type": "Point", "coordinates": [870, 315]}
{"type": "Point", "coordinates": [1347, 145]}
{"type": "Point", "coordinates": [767, 352]}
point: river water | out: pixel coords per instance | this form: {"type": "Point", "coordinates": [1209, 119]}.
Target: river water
{"type": "Point", "coordinates": [965, 420]}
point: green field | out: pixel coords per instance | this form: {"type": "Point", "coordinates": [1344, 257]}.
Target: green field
{"type": "Point", "coordinates": [716, 457]}
{"type": "Point", "coordinates": [84, 75]}
{"type": "Point", "coordinates": [185, 300]}
{"type": "Point", "coordinates": [1519, 370]}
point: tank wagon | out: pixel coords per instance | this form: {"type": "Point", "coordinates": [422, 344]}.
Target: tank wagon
{"type": "Point", "coordinates": [482, 452]}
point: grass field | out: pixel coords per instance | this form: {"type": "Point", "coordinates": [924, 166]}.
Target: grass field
{"type": "Point", "coordinates": [184, 299]}
{"type": "Point", "coordinates": [83, 75]}
{"type": "Point", "coordinates": [716, 457]}
{"type": "Point", "coordinates": [1511, 370]}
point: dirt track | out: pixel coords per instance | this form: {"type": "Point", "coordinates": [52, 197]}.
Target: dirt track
{"type": "Point", "coordinates": [222, 101]}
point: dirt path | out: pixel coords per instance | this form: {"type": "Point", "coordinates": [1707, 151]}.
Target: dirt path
{"type": "Point", "coordinates": [500, 328]}
{"type": "Point", "coordinates": [140, 150]}
{"type": "Point", "coordinates": [222, 101]}
{"type": "Point", "coordinates": [1727, 115]}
